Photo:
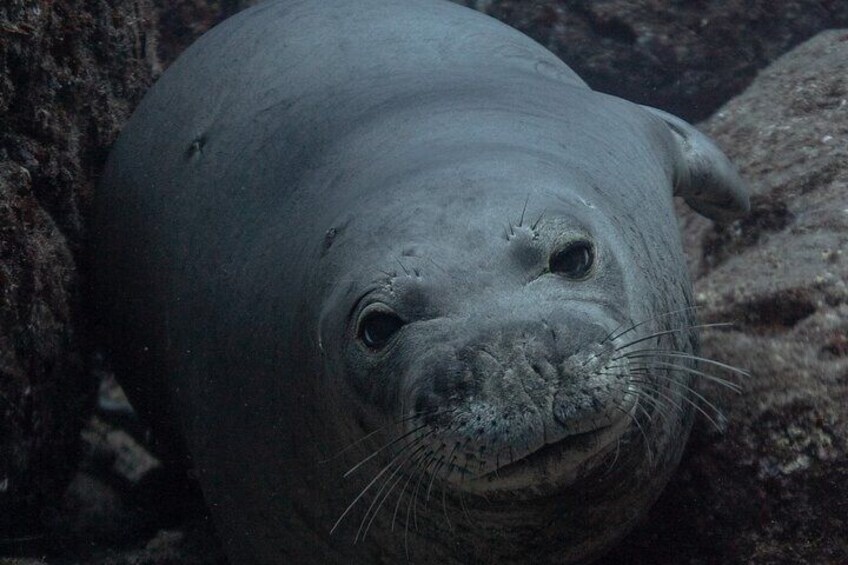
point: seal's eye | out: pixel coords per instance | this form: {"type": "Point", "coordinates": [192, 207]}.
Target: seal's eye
{"type": "Point", "coordinates": [574, 261]}
{"type": "Point", "coordinates": [378, 327]}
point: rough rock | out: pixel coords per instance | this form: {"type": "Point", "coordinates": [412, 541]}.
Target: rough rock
{"type": "Point", "coordinates": [71, 71]}
{"type": "Point", "coordinates": [69, 74]}
{"type": "Point", "coordinates": [685, 57]}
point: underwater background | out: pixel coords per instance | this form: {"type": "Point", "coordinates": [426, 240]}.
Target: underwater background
{"type": "Point", "coordinates": [78, 481]}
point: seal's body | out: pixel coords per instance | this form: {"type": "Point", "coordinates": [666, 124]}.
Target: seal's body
{"type": "Point", "coordinates": [394, 274]}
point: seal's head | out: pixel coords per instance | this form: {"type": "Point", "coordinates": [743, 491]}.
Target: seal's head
{"type": "Point", "coordinates": [519, 328]}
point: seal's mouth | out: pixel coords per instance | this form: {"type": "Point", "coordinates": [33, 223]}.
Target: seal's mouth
{"type": "Point", "coordinates": [552, 453]}
{"type": "Point", "coordinates": [556, 464]}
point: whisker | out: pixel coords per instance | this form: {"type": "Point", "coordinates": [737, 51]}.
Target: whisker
{"type": "Point", "coordinates": [413, 502]}
{"type": "Point", "coordinates": [643, 322]}
{"type": "Point", "coordinates": [538, 221]}
{"type": "Point", "coordinates": [718, 413]}
{"type": "Point", "coordinates": [618, 441]}
{"type": "Point", "coordinates": [374, 480]}
{"type": "Point", "coordinates": [420, 463]}
{"type": "Point", "coordinates": [674, 331]}
{"type": "Point", "coordinates": [424, 462]}
{"type": "Point", "coordinates": [723, 382]}
{"type": "Point", "coordinates": [635, 420]}
{"type": "Point", "coordinates": [523, 211]}
{"type": "Point", "coordinates": [371, 434]}
{"type": "Point", "coordinates": [352, 445]}
{"type": "Point", "coordinates": [433, 476]}
{"type": "Point", "coordinates": [465, 508]}
{"type": "Point", "coordinates": [400, 498]}
{"type": "Point", "coordinates": [412, 455]}
{"type": "Point", "coordinates": [424, 473]}
{"type": "Point", "coordinates": [612, 463]}
{"type": "Point", "coordinates": [445, 506]}
{"type": "Point", "coordinates": [451, 425]}
{"type": "Point", "coordinates": [385, 497]}
{"type": "Point", "coordinates": [685, 355]}
{"type": "Point", "coordinates": [453, 455]}
{"type": "Point", "coordinates": [380, 450]}
{"type": "Point", "coordinates": [409, 510]}
{"type": "Point", "coordinates": [451, 459]}
{"type": "Point", "coordinates": [661, 408]}
{"type": "Point", "coordinates": [653, 388]}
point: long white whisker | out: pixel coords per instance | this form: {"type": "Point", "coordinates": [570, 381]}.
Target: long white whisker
{"type": "Point", "coordinates": [653, 388]}
{"type": "Point", "coordinates": [385, 447]}
{"type": "Point", "coordinates": [674, 331]}
{"type": "Point", "coordinates": [371, 483]}
{"type": "Point", "coordinates": [643, 322]}
{"type": "Point", "coordinates": [683, 354]}
{"type": "Point", "coordinates": [723, 382]}
{"type": "Point", "coordinates": [382, 500]}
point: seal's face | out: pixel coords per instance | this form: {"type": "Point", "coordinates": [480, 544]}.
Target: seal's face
{"type": "Point", "coordinates": [495, 347]}
{"type": "Point", "coordinates": [509, 381]}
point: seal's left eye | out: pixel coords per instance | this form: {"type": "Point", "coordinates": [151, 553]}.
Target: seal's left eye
{"type": "Point", "coordinates": [575, 261]}
{"type": "Point", "coordinates": [377, 328]}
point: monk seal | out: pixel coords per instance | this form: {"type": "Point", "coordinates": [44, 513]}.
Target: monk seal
{"type": "Point", "coordinates": [403, 287]}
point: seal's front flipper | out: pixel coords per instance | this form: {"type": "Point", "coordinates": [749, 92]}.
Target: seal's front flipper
{"type": "Point", "coordinates": [704, 177]}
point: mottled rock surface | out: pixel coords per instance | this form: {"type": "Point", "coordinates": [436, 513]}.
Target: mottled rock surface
{"type": "Point", "coordinates": [71, 71]}
{"type": "Point", "coordinates": [687, 57]}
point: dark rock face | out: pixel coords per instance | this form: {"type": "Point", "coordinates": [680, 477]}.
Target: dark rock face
{"type": "Point", "coordinates": [684, 57]}
{"type": "Point", "coordinates": [68, 78]}
{"type": "Point", "coordinates": [71, 71]}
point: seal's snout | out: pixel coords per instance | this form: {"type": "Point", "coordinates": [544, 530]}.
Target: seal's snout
{"type": "Point", "coordinates": [510, 394]}
{"type": "Point", "coordinates": [520, 365]}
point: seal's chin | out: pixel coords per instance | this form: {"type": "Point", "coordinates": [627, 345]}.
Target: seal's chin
{"type": "Point", "coordinates": [558, 464]}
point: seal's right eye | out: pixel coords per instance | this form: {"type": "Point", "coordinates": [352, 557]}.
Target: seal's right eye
{"type": "Point", "coordinates": [378, 327]}
{"type": "Point", "coordinates": [575, 261]}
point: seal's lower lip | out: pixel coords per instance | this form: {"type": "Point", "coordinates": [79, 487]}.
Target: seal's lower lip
{"type": "Point", "coordinates": [551, 453]}
{"type": "Point", "coordinates": [566, 444]}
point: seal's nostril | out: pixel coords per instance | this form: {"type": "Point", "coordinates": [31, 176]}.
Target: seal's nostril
{"type": "Point", "coordinates": [536, 369]}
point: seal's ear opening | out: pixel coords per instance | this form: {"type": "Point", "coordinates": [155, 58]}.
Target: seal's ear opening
{"type": "Point", "coordinates": [704, 177]}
